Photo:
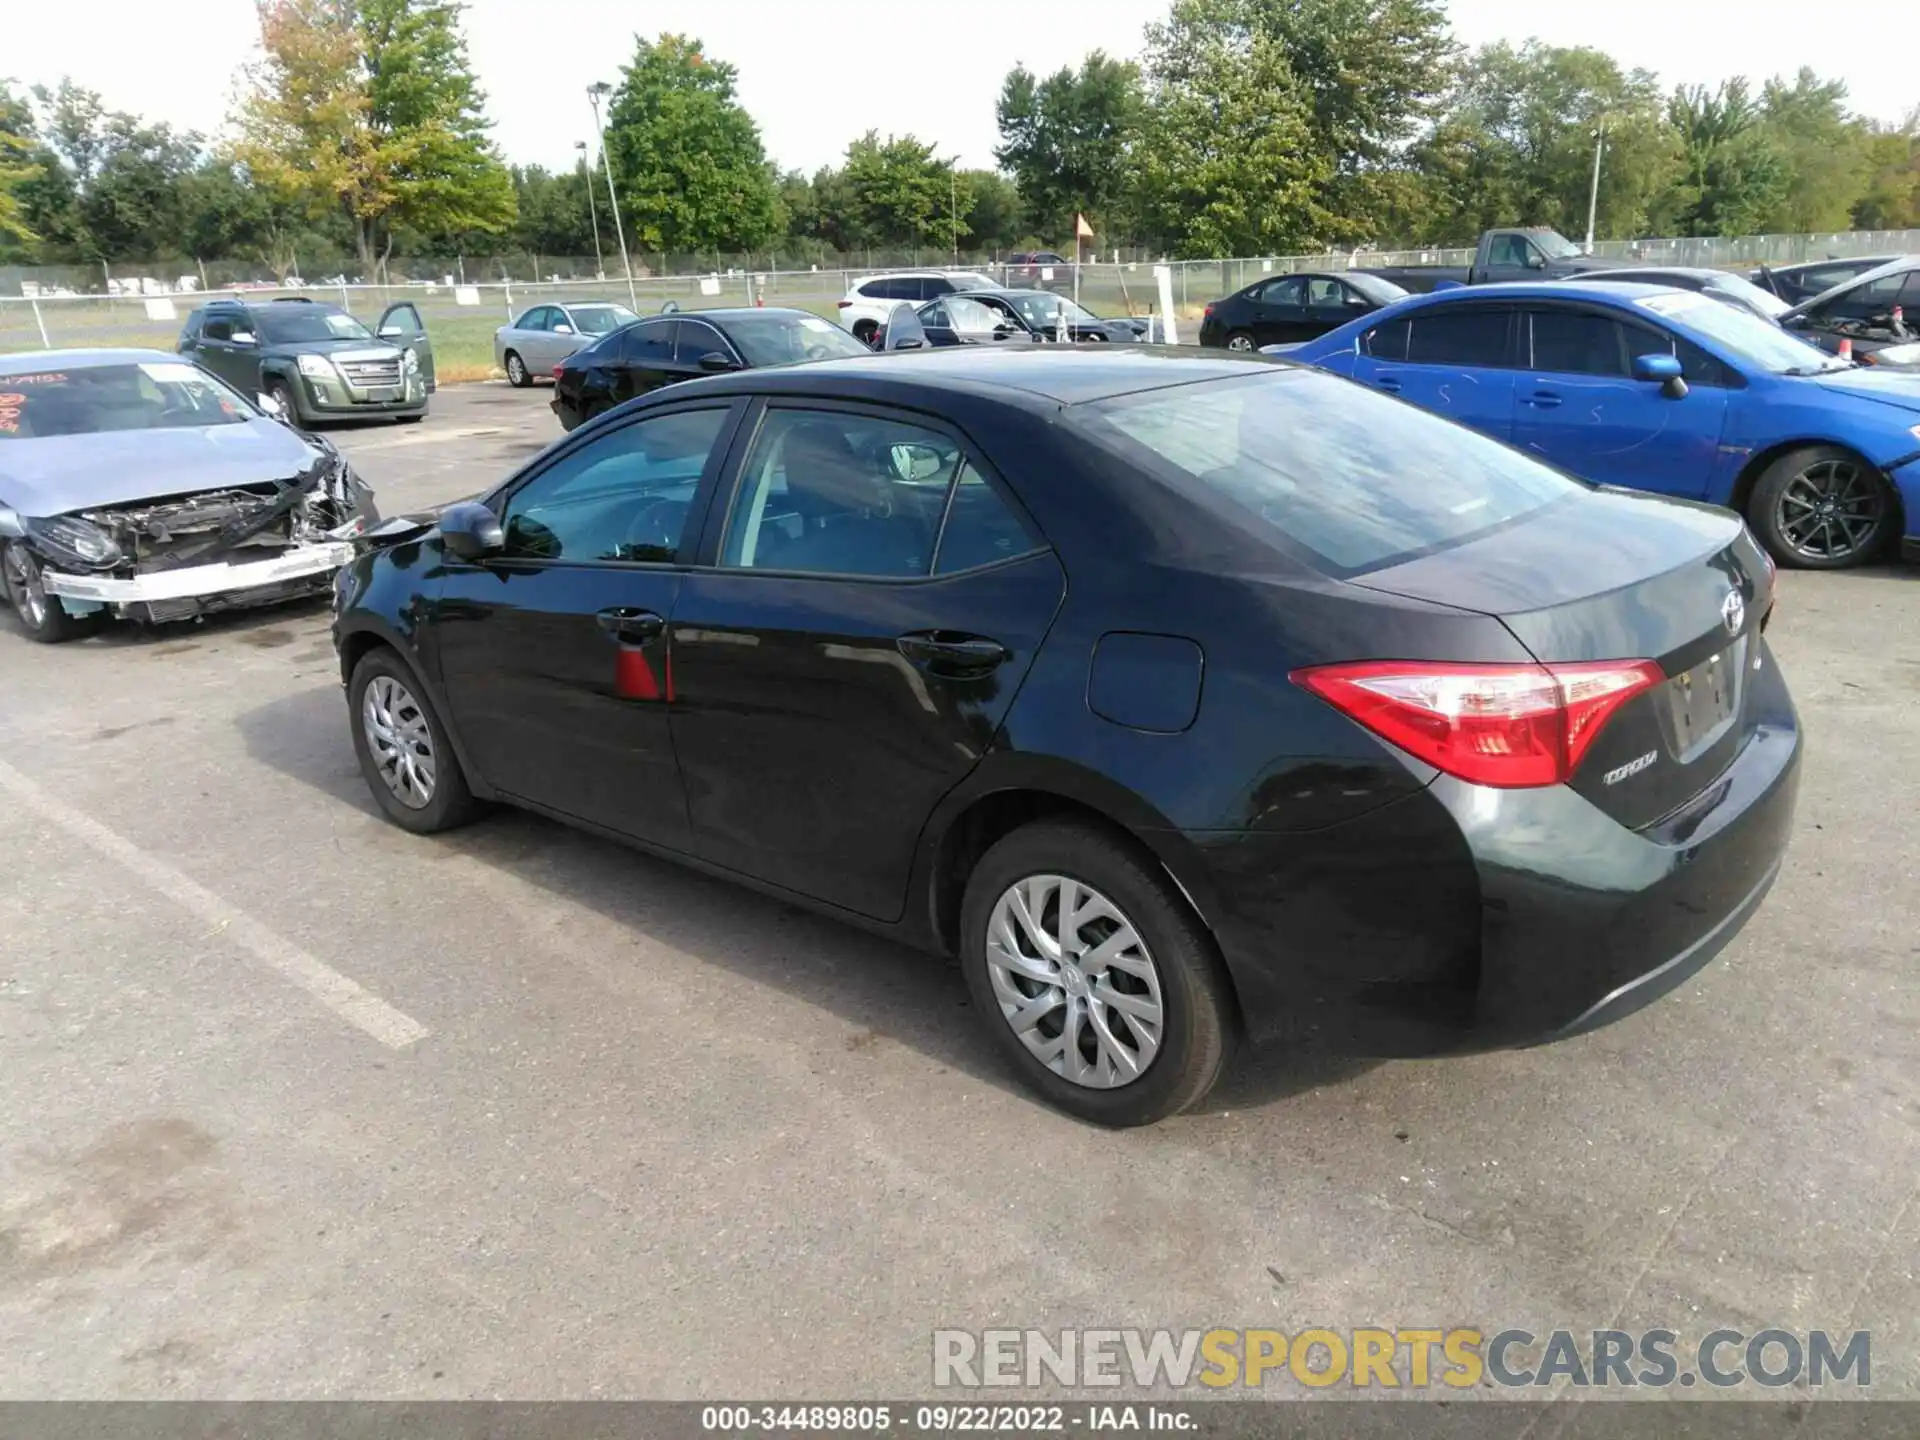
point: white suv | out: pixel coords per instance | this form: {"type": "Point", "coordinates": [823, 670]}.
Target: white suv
{"type": "Point", "coordinates": [870, 302]}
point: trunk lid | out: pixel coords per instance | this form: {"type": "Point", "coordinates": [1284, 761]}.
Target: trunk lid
{"type": "Point", "coordinates": [1620, 576]}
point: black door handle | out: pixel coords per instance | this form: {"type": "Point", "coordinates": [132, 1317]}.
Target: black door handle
{"type": "Point", "coordinates": [1387, 382]}
{"type": "Point", "coordinates": [1543, 399]}
{"type": "Point", "coordinates": [631, 626]}
{"type": "Point", "coordinates": [951, 652]}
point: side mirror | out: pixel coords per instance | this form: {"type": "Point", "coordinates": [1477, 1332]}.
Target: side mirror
{"type": "Point", "coordinates": [1661, 370]}
{"type": "Point", "coordinates": [244, 337]}
{"type": "Point", "coordinates": [1358, 302]}
{"type": "Point", "coordinates": [391, 332]}
{"type": "Point", "coordinates": [471, 531]}
{"type": "Point", "coordinates": [563, 329]}
{"type": "Point", "coordinates": [1535, 260]}
{"type": "Point", "coordinates": [271, 406]}
{"type": "Point", "coordinates": [714, 363]}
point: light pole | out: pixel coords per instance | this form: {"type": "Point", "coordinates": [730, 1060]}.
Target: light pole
{"type": "Point", "coordinates": [1593, 193]}
{"type": "Point", "coordinates": [593, 210]}
{"type": "Point", "coordinates": [595, 93]}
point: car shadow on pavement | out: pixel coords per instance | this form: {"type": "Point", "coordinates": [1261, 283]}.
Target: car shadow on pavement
{"type": "Point", "coordinates": [888, 991]}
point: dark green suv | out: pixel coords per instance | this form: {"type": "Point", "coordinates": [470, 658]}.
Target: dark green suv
{"type": "Point", "coordinates": [315, 360]}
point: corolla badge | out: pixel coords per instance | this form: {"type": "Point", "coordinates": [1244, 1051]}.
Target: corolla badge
{"type": "Point", "coordinates": [1733, 612]}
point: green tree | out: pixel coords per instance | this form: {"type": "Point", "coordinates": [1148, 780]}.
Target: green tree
{"type": "Point", "coordinates": [368, 108]}
{"type": "Point", "coordinates": [1734, 176]}
{"type": "Point", "coordinates": [991, 210]}
{"type": "Point", "coordinates": [897, 193]}
{"type": "Point", "coordinates": [553, 213]}
{"type": "Point", "coordinates": [1891, 197]}
{"type": "Point", "coordinates": [1066, 139]}
{"type": "Point", "coordinates": [687, 157]}
{"type": "Point", "coordinates": [1516, 137]}
{"type": "Point", "coordinates": [1823, 150]}
{"type": "Point", "coordinates": [1228, 164]}
{"type": "Point", "coordinates": [1369, 72]}
{"type": "Point", "coordinates": [17, 168]}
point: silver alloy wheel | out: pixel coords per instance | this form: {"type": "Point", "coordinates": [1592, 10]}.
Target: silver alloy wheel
{"type": "Point", "coordinates": [1075, 981]}
{"type": "Point", "coordinates": [24, 589]}
{"type": "Point", "coordinates": [1240, 342]}
{"type": "Point", "coordinates": [1830, 510]}
{"type": "Point", "coordinates": [516, 370]}
{"type": "Point", "coordinates": [399, 739]}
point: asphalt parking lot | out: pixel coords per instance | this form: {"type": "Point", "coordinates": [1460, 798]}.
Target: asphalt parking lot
{"type": "Point", "coordinates": [298, 1105]}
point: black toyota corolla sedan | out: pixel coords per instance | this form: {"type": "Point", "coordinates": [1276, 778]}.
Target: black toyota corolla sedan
{"type": "Point", "coordinates": [666, 349]}
{"type": "Point", "coordinates": [1181, 696]}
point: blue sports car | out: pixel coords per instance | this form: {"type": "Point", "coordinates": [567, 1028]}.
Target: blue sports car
{"type": "Point", "coordinates": [1666, 390]}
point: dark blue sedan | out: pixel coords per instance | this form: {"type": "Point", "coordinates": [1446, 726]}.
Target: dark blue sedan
{"type": "Point", "coordinates": [1657, 389]}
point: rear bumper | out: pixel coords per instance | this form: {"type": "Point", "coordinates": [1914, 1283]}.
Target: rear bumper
{"type": "Point", "coordinates": [1464, 918]}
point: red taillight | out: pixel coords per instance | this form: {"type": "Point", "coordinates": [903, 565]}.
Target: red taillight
{"type": "Point", "coordinates": [556, 371]}
{"type": "Point", "coordinates": [1510, 726]}
{"type": "Point", "coordinates": [843, 304]}
{"type": "Point", "coordinates": [1206, 312]}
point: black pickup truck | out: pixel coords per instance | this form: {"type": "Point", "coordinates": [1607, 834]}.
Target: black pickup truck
{"type": "Point", "coordinates": [1533, 253]}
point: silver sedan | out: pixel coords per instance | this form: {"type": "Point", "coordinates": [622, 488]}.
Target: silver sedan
{"type": "Point", "coordinates": [543, 335]}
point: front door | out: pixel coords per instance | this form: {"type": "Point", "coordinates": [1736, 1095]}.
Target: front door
{"type": "Point", "coordinates": [1580, 407]}
{"type": "Point", "coordinates": [230, 349]}
{"type": "Point", "coordinates": [401, 326]}
{"type": "Point", "coordinates": [553, 654]}
{"type": "Point", "coordinates": [1279, 310]}
{"type": "Point", "coordinates": [873, 604]}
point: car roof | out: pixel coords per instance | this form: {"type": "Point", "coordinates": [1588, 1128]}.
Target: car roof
{"type": "Point", "coordinates": [1038, 376]}
{"type": "Point", "coordinates": [1834, 260]}
{"type": "Point", "coordinates": [728, 312]}
{"type": "Point", "coordinates": [1692, 272]}
{"type": "Point", "coordinates": [1610, 292]}
{"type": "Point", "coordinates": [40, 362]}
{"type": "Point", "coordinates": [914, 275]}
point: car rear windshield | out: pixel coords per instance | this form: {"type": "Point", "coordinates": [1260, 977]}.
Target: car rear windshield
{"type": "Point", "coordinates": [1351, 480]}
{"type": "Point", "coordinates": [777, 339]}
{"type": "Point", "coordinates": [85, 400]}
{"type": "Point", "coordinates": [293, 324]}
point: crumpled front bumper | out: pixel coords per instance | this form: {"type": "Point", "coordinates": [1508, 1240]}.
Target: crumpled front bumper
{"type": "Point", "coordinates": [195, 582]}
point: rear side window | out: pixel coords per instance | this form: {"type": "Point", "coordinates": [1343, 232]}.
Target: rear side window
{"type": "Point", "coordinates": [1388, 341]}
{"type": "Point", "coordinates": [1280, 292]}
{"type": "Point", "coordinates": [1345, 478]}
{"type": "Point", "coordinates": [1458, 337]}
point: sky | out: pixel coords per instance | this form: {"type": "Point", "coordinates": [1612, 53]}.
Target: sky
{"type": "Point", "coordinates": [818, 73]}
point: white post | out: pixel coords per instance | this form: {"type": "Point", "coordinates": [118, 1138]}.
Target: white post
{"type": "Point", "coordinates": [40, 320]}
{"type": "Point", "coordinates": [594, 92]}
{"type": "Point", "coordinates": [1593, 193]}
{"type": "Point", "coordinates": [1169, 333]}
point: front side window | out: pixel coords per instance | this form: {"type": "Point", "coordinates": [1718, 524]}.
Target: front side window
{"type": "Point", "coordinates": [1507, 250]}
{"type": "Point", "coordinates": [623, 496]}
{"type": "Point", "coordinates": [1324, 294]}
{"type": "Point", "coordinates": [832, 493]}
{"type": "Point", "coordinates": [970, 317]}
{"type": "Point", "coordinates": [698, 339]}
{"type": "Point", "coordinates": [1568, 342]}
{"type": "Point", "coordinates": [534, 319]}
{"type": "Point", "coordinates": [649, 343]}
{"type": "Point", "coordinates": [147, 395]}
{"type": "Point", "coordinates": [1346, 477]}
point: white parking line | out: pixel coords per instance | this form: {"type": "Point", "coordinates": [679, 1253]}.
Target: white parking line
{"type": "Point", "coordinates": [332, 989]}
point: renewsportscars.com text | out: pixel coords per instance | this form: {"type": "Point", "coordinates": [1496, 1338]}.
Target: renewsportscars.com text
{"type": "Point", "coordinates": [1459, 1358]}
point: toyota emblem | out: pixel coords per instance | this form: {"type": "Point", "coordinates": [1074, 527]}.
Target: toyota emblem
{"type": "Point", "coordinates": [1733, 610]}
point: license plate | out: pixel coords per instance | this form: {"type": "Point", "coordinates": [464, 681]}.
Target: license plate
{"type": "Point", "coordinates": [1701, 703]}
{"type": "Point", "coordinates": [383, 394]}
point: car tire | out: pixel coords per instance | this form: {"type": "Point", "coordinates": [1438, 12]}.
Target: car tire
{"type": "Point", "coordinates": [281, 394]}
{"type": "Point", "coordinates": [518, 375]}
{"type": "Point", "coordinates": [388, 730]}
{"type": "Point", "coordinates": [1242, 341]}
{"type": "Point", "coordinates": [1784, 509]}
{"type": "Point", "coordinates": [41, 616]}
{"type": "Point", "coordinates": [1174, 970]}
{"type": "Point", "coordinates": [1093, 339]}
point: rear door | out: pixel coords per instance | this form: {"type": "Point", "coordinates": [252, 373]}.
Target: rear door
{"type": "Point", "coordinates": [1455, 360]}
{"type": "Point", "coordinates": [1279, 310]}
{"type": "Point", "coordinates": [401, 326]}
{"type": "Point", "coordinates": [872, 601]}
{"type": "Point", "coordinates": [1580, 407]}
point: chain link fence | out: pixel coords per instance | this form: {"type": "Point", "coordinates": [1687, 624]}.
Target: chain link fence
{"type": "Point", "coordinates": [462, 309]}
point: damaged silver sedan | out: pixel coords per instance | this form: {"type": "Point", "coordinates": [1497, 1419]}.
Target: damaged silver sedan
{"type": "Point", "coordinates": [136, 486]}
